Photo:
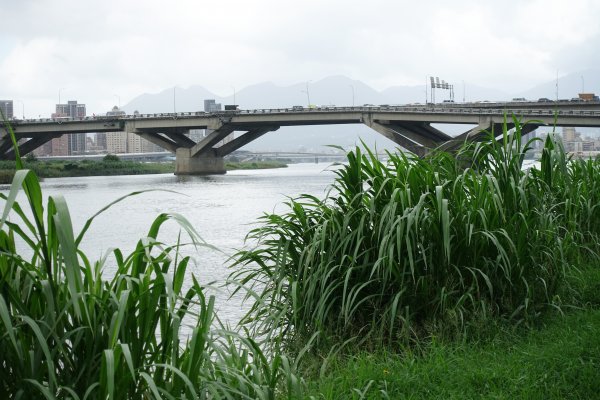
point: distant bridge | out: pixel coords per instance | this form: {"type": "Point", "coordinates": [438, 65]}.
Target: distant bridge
{"type": "Point", "coordinates": [409, 126]}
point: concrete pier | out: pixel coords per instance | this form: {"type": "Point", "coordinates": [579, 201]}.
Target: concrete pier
{"type": "Point", "coordinates": [185, 164]}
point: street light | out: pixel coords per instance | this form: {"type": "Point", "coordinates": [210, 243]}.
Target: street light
{"type": "Point", "coordinates": [307, 94]}
{"type": "Point", "coordinates": [118, 100]}
{"type": "Point", "coordinates": [352, 86]}
{"type": "Point", "coordinates": [233, 87]}
{"type": "Point", "coordinates": [582, 85]}
{"type": "Point", "coordinates": [463, 91]}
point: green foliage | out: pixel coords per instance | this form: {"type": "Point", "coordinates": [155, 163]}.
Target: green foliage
{"type": "Point", "coordinates": [413, 246]}
{"type": "Point", "coordinates": [111, 158]}
{"type": "Point", "coordinates": [70, 329]}
{"type": "Point", "coordinates": [233, 165]}
{"type": "Point", "coordinates": [560, 360]}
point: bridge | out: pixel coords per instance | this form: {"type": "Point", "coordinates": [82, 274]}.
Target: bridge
{"type": "Point", "coordinates": [409, 126]}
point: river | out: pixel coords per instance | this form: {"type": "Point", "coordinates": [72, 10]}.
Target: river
{"type": "Point", "coordinates": [222, 208]}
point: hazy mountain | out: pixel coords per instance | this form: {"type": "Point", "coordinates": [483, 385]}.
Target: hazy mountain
{"type": "Point", "coordinates": [340, 91]}
{"type": "Point", "coordinates": [569, 86]}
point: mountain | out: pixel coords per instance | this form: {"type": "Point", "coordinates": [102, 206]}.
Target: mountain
{"type": "Point", "coordinates": [569, 86]}
{"type": "Point", "coordinates": [341, 91]}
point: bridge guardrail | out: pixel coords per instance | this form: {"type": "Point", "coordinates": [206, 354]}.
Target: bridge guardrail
{"type": "Point", "coordinates": [323, 110]}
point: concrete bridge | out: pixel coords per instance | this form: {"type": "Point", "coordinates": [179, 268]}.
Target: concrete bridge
{"type": "Point", "coordinates": [408, 126]}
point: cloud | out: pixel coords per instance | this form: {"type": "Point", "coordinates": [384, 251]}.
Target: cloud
{"type": "Point", "coordinates": [99, 49]}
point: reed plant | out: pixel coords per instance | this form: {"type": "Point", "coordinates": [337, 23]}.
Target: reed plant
{"type": "Point", "coordinates": [69, 331]}
{"type": "Point", "coordinates": [411, 246]}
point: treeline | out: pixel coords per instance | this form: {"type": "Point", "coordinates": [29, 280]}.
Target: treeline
{"type": "Point", "coordinates": [110, 165]}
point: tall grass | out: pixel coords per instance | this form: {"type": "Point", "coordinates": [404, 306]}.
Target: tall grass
{"type": "Point", "coordinates": [404, 247]}
{"type": "Point", "coordinates": [69, 332]}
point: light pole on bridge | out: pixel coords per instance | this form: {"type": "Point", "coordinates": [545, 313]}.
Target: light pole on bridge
{"type": "Point", "coordinates": [307, 94]}
{"type": "Point", "coordinates": [352, 86]}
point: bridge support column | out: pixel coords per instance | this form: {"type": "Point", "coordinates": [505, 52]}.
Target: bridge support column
{"type": "Point", "coordinates": [185, 164]}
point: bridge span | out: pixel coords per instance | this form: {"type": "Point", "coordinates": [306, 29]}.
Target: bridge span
{"type": "Point", "coordinates": [407, 126]}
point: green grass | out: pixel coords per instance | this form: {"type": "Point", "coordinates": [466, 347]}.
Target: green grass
{"type": "Point", "coordinates": [59, 169]}
{"type": "Point", "coordinates": [442, 277]}
{"type": "Point", "coordinates": [560, 360]}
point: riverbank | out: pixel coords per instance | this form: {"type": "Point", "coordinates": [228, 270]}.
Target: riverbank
{"type": "Point", "coordinates": [112, 166]}
{"type": "Point", "coordinates": [557, 358]}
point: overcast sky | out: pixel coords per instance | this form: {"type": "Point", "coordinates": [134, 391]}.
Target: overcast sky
{"type": "Point", "coordinates": [98, 52]}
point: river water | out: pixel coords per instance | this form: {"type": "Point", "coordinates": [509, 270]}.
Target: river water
{"type": "Point", "coordinates": [222, 208]}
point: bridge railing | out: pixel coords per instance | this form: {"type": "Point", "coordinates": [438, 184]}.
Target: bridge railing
{"type": "Point", "coordinates": [436, 109]}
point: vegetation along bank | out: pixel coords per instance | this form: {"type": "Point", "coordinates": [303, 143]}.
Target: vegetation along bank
{"type": "Point", "coordinates": [452, 276]}
{"type": "Point", "coordinates": [111, 165]}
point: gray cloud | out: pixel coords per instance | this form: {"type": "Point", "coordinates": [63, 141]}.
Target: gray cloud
{"type": "Point", "coordinates": [98, 49]}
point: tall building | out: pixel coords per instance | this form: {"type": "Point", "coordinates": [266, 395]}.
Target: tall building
{"type": "Point", "coordinates": [71, 109]}
{"type": "Point", "coordinates": [76, 142]}
{"type": "Point", "coordinates": [211, 106]}
{"type": "Point", "coordinates": [116, 142]}
{"type": "Point", "coordinates": [101, 141]}
{"type": "Point", "coordinates": [126, 142]}
{"type": "Point", "coordinates": [569, 134]}
{"type": "Point", "coordinates": [7, 108]}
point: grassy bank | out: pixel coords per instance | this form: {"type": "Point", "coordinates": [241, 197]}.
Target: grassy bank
{"type": "Point", "coordinates": [559, 360]}
{"type": "Point", "coordinates": [448, 247]}
{"type": "Point", "coordinates": [231, 166]}
{"type": "Point", "coordinates": [558, 357]}
{"type": "Point", "coordinates": [58, 169]}
{"type": "Point", "coordinates": [452, 276]}
{"type": "Point", "coordinates": [150, 331]}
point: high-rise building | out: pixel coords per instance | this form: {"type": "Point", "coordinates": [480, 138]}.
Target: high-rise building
{"type": "Point", "coordinates": [126, 142]}
{"type": "Point", "coordinates": [116, 142]}
{"type": "Point", "coordinates": [197, 134]}
{"type": "Point", "coordinates": [211, 106]}
{"type": "Point", "coordinates": [101, 141]}
{"type": "Point", "coordinates": [569, 134]}
{"type": "Point", "coordinates": [7, 108]}
{"type": "Point", "coordinates": [76, 142]}
{"type": "Point", "coordinates": [71, 109]}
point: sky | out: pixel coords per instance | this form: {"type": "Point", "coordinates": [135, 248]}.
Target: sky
{"type": "Point", "coordinates": [107, 52]}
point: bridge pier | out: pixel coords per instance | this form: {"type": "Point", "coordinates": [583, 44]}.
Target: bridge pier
{"type": "Point", "coordinates": [186, 164]}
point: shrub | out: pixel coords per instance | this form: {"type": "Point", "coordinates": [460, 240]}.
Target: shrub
{"type": "Point", "coordinates": [111, 158]}
{"type": "Point", "coordinates": [69, 331]}
{"type": "Point", "coordinates": [402, 247]}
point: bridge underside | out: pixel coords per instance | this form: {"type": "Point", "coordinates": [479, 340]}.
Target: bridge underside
{"type": "Point", "coordinates": [206, 156]}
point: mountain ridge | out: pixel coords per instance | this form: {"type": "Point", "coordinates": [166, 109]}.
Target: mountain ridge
{"type": "Point", "coordinates": [340, 90]}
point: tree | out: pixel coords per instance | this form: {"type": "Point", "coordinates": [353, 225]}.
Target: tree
{"type": "Point", "coordinates": [111, 158]}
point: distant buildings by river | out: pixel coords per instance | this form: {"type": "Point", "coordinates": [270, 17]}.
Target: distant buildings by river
{"type": "Point", "coordinates": [103, 143]}
{"type": "Point", "coordinates": [577, 144]}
